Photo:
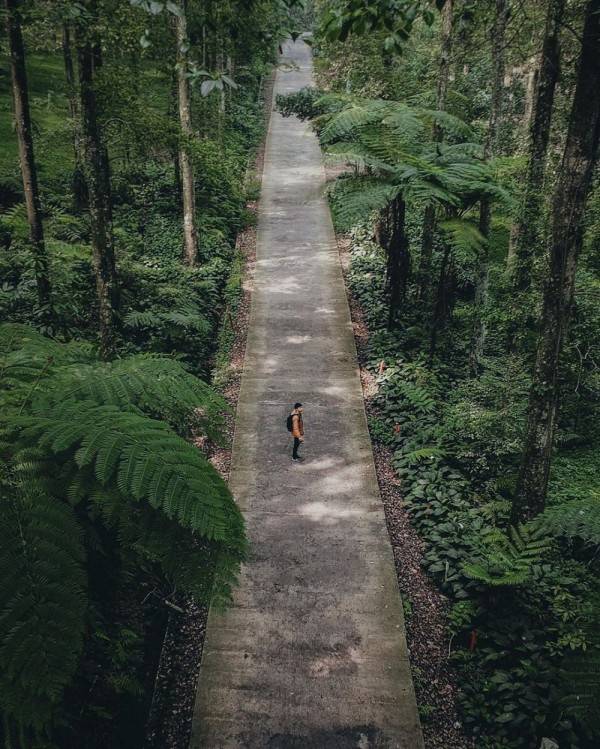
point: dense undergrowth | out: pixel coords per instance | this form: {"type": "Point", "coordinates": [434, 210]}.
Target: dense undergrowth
{"type": "Point", "coordinates": [165, 307]}
{"type": "Point", "coordinates": [111, 518]}
{"type": "Point", "coordinates": [454, 373]}
{"type": "Point", "coordinates": [522, 600]}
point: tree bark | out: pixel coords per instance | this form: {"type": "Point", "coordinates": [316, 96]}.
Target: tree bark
{"type": "Point", "coordinates": [429, 222]}
{"type": "Point", "coordinates": [398, 257]}
{"type": "Point", "coordinates": [190, 233]}
{"type": "Point", "coordinates": [528, 222]}
{"type": "Point", "coordinates": [26, 153]}
{"type": "Point", "coordinates": [490, 148]}
{"type": "Point", "coordinates": [97, 177]}
{"type": "Point", "coordinates": [575, 176]}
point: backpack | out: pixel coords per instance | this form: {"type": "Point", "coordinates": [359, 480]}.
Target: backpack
{"type": "Point", "coordinates": [289, 423]}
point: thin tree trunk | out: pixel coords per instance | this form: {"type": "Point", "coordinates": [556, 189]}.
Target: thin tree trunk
{"type": "Point", "coordinates": [26, 153]}
{"type": "Point", "coordinates": [190, 234]}
{"type": "Point", "coordinates": [482, 280]}
{"type": "Point", "coordinates": [578, 162]}
{"type": "Point", "coordinates": [528, 223]}
{"type": "Point", "coordinates": [97, 176]}
{"type": "Point", "coordinates": [174, 114]}
{"type": "Point", "coordinates": [398, 258]}
{"type": "Point", "coordinates": [429, 222]}
{"type": "Point", "coordinates": [79, 187]}
{"type": "Point", "coordinates": [439, 312]}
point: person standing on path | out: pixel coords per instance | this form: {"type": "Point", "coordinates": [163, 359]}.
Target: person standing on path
{"type": "Point", "coordinates": [297, 429]}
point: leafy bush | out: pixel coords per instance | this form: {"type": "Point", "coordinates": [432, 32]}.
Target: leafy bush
{"type": "Point", "coordinates": [302, 103]}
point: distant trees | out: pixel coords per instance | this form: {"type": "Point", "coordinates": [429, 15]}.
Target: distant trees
{"type": "Point", "coordinates": [26, 151]}
{"type": "Point", "coordinates": [579, 159]}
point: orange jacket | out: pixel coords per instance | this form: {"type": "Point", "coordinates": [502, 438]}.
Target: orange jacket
{"type": "Point", "coordinates": [297, 424]}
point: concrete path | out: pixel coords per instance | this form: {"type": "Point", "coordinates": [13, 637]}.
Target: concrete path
{"type": "Point", "coordinates": [313, 653]}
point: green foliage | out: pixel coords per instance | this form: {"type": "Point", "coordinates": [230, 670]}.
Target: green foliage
{"type": "Point", "coordinates": [509, 560]}
{"type": "Point", "coordinates": [43, 604]}
{"type": "Point", "coordinates": [581, 674]}
{"type": "Point", "coordinates": [85, 448]}
{"type": "Point", "coordinates": [576, 519]}
{"type": "Point", "coordinates": [455, 443]}
{"type": "Point", "coordinates": [303, 103]}
{"type": "Point", "coordinates": [348, 17]}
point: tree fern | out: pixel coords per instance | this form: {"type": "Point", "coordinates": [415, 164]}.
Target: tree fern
{"type": "Point", "coordinates": [157, 385]}
{"type": "Point", "coordinates": [154, 384]}
{"type": "Point", "coordinates": [79, 446]}
{"type": "Point", "coordinates": [387, 142]}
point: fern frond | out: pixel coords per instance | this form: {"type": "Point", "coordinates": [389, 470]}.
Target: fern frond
{"type": "Point", "coordinates": [156, 385]}
{"type": "Point", "coordinates": [508, 560]}
{"type": "Point", "coordinates": [449, 123]}
{"type": "Point", "coordinates": [148, 461]}
{"type": "Point", "coordinates": [353, 117]}
{"type": "Point", "coordinates": [361, 196]}
{"type": "Point", "coordinates": [42, 604]}
{"type": "Point", "coordinates": [575, 519]}
{"type": "Point", "coordinates": [184, 319]}
{"type": "Point", "coordinates": [463, 235]}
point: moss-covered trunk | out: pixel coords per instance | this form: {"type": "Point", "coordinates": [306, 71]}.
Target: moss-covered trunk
{"type": "Point", "coordinates": [526, 231]}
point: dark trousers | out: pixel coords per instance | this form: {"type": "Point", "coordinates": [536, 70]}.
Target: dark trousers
{"type": "Point", "coordinates": [296, 446]}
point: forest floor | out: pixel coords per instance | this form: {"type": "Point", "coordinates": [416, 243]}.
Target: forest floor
{"type": "Point", "coordinates": [170, 722]}
{"type": "Point", "coordinates": [425, 607]}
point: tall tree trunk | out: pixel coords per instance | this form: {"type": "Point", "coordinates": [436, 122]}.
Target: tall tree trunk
{"type": "Point", "coordinates": [97, 177]}
{"type": "Point", "coordinates": [496, 106]}
{"type": "Point", "coordinates": [528, 223]}
{"type": "Point", "coordinates": [398, 258]}
{"type": "Point", "coordinates": [429, 222]}
{"type": "Point", "coordinates": [578, 162]}
{"type": "Point", "coordinates": [190, 234]}
{"type": "Point", "coordinates": [79, 188]}
{"type": "Point", "coordinates": [26, 153]}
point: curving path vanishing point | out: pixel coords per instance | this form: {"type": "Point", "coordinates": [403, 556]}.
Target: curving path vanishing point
{"type": "Point", "coordinates": [312, 654]}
